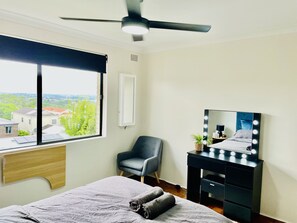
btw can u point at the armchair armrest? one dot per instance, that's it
(124, 155)
(150, 165)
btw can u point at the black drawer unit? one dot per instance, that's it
(239, 176)
(214, 185)
(217, 166)
(240, 190)
(237, 212)
(239, 195)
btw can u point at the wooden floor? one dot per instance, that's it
(181, 192)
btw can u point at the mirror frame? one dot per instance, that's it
(255, 137)
(127, 97)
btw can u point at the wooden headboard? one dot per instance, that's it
(49, 163)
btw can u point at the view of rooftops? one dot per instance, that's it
(68, 109)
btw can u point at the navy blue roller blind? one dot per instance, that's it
(33, 52)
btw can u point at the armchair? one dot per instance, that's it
(144, 158)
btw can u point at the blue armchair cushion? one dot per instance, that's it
(144, 158)
(133, 163)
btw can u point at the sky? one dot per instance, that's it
(16, 77)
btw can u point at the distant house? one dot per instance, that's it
(27, 119)
(8, 128)
(57, 111)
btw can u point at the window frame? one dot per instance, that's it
(15, 49)
(39, 112)
(8, 129)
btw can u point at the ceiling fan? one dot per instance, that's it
(137, 25)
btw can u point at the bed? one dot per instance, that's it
(241, 142)
(106, 200)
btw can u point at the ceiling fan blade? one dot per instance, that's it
(179, 26)
(133, 7)
(89, 20)
(137, 38)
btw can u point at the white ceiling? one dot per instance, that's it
(230, 19)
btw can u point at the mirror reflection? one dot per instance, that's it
(231, 130)
(127, 88)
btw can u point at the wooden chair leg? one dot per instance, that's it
(121, 173)
(142, 179)
(156, 175)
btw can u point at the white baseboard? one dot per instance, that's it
(266, 215)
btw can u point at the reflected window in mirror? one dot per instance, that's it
(232, 133)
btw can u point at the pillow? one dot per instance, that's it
(246, 124)
(242, 133)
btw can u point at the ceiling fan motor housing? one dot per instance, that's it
(135, 25)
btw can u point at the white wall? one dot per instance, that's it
(89, 160)
(226, 118)
(258, 75)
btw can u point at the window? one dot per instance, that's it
(8, 130)
(59, 92)
(17, 99)
(75, 105)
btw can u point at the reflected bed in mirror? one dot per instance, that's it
(232, 133)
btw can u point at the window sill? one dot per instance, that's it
(47, 145)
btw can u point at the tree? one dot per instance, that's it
(6, 110)
(82, 120)
(12, 102)
(23, 133)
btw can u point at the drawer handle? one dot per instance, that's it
(211, 184)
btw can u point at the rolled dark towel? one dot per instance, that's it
(158, 206)
(136, 202)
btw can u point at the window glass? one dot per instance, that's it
(17, 104)
(8, 129)
(70, 103)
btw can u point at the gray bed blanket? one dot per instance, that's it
(105, 201)
(16, 214)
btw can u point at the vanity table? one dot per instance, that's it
(240, 188)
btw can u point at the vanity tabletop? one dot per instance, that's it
(229, 159)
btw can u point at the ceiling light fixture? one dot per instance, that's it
(135, 26)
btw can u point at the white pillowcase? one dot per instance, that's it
(246, 134)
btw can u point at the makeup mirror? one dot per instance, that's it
(232, 133)
(127, 96)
